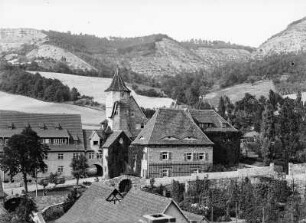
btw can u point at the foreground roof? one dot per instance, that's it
(171, 126)
(46, 125)
(92, 206)
(117, 84)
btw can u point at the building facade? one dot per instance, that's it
(171, 144)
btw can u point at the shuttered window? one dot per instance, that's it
(165, 156)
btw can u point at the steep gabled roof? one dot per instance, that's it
(92, 207)
(171, 126)
(117, 84)
(211, 116)
(70, 124)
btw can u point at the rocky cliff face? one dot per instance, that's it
(12, 39)
(170, 58)
(150, 56)
(292, 39)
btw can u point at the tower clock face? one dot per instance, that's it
(121, 141)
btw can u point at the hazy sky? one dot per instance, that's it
(248, 22)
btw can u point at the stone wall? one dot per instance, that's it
(220, 176)
(296, 169)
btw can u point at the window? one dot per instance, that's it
(198, 156)
(76, 155)
(142, 125)
(46, 141)
(188, 156)
(60, 156)
(99, 155)
(164, 173)
(60, 169)
(165, 156)
(95, 143)
(46, 156)
(91, 155)
(46, 169)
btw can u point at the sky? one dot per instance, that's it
(246, 22)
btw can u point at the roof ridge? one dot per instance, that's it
(154, 116)
(191, 119)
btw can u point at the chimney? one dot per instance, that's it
(159, 218)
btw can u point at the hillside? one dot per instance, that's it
(154, 55)
(237, 92)
(90, 117)
(95, 86)
(292, 39)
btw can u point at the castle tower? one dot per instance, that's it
(117, 104)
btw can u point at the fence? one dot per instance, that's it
(267, 171)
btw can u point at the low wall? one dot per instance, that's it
(296, 169)
(239, 174)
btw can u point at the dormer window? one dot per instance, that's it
(42, 126)
(190, 138)
(11, 126)
(170, 138)
(206, 125)
(58, 126)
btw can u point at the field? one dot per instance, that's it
(95, 86)
(90, 117)
(237, 92)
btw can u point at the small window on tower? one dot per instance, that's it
(122, 94)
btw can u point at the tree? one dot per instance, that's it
(70, 200)
(221, 107)
(75, 94)
(289, 131)
(25, 209)
(79, 165)
(24, 154)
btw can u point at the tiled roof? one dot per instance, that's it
(93, 198)
(171, 126)
(47, 133)
(92, 207)
(112, 138)
(211, 116)
(70, 124)
(117, 84)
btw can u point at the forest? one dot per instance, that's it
(265, 200)
(17, 81)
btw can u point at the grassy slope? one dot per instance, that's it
(95, 86)
(237, 92)
(20, 103)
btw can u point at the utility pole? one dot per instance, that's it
(36, 181)
(263, 214)
(236, 209)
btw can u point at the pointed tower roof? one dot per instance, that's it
(117, 83)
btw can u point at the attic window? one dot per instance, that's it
(42, 126)
(170, 138)
(141, 138)
(206, 125)
(11, 126)
(58, 126)
(190, 138)
(142, 125)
